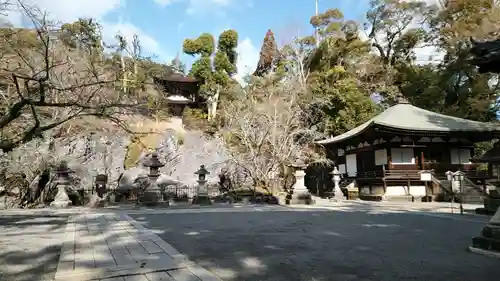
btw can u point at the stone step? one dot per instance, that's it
(473, 199)
(485, 243)
(400, 198)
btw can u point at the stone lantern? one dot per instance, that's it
(300, 193)
(338, 196)
(460, 177)
(61, 200)
(455, 179)
(151, 194)
(101, 180)
(202, 194)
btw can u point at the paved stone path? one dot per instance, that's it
(346, 242)
(115, 247)
(30, 246)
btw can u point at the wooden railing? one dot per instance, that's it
(370, 175)
(402, 174)
(470, 170)
(412, 172)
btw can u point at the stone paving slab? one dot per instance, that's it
(116, 247)
(30, 246)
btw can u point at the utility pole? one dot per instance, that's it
(317, 30)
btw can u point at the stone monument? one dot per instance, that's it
(61, 200)
(151, 194)
(338, 195)
(201, 197)
(487, 59)
(300, 193)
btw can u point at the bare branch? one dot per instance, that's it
(53, 83)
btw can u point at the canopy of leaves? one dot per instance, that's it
(82, 34)
(214, 68)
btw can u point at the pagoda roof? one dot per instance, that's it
(178, 99)
(406, 117)
(176, 77)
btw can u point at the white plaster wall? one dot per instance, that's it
(399, 190)
(417, 190)
(396, 190)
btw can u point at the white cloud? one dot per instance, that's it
(67, 11)
(126, 29)
(208, 7)
(71, 10)
(248, 57)
(180, 26)
(216, 7)
(164, 3)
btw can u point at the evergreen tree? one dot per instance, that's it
(269, 55)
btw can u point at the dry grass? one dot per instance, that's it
(149, 135)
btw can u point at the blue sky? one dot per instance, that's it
(162, 25)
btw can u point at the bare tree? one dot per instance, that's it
(265, 130)
(49, 84)
(297, 54)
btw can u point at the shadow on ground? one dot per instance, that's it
(357, 243)
(30, 246)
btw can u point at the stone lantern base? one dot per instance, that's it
(62, 199)
(150, 198)
(300, 198)
(201, 200)
(202, 197)
(489, 241)
(300, 194)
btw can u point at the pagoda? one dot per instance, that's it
(180, 91)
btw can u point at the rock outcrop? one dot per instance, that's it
(100, 153)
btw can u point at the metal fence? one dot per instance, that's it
(175, 193)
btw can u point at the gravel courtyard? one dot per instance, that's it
(30, 246)
(319, 245)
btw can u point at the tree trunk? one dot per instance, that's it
(124, 74)
(213, 101)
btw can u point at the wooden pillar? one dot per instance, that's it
(383, 179)
(422, 160)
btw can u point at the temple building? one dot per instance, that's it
(386, 155)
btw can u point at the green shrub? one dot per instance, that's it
(180, 138)
(195, 119)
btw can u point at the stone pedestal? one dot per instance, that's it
(201, 197)
(150, 197)
(300, 194)
(62, 199)
(489, 241)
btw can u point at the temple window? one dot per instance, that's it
(495, 170)
(402, 155)
(380, 157)
(460, 156)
